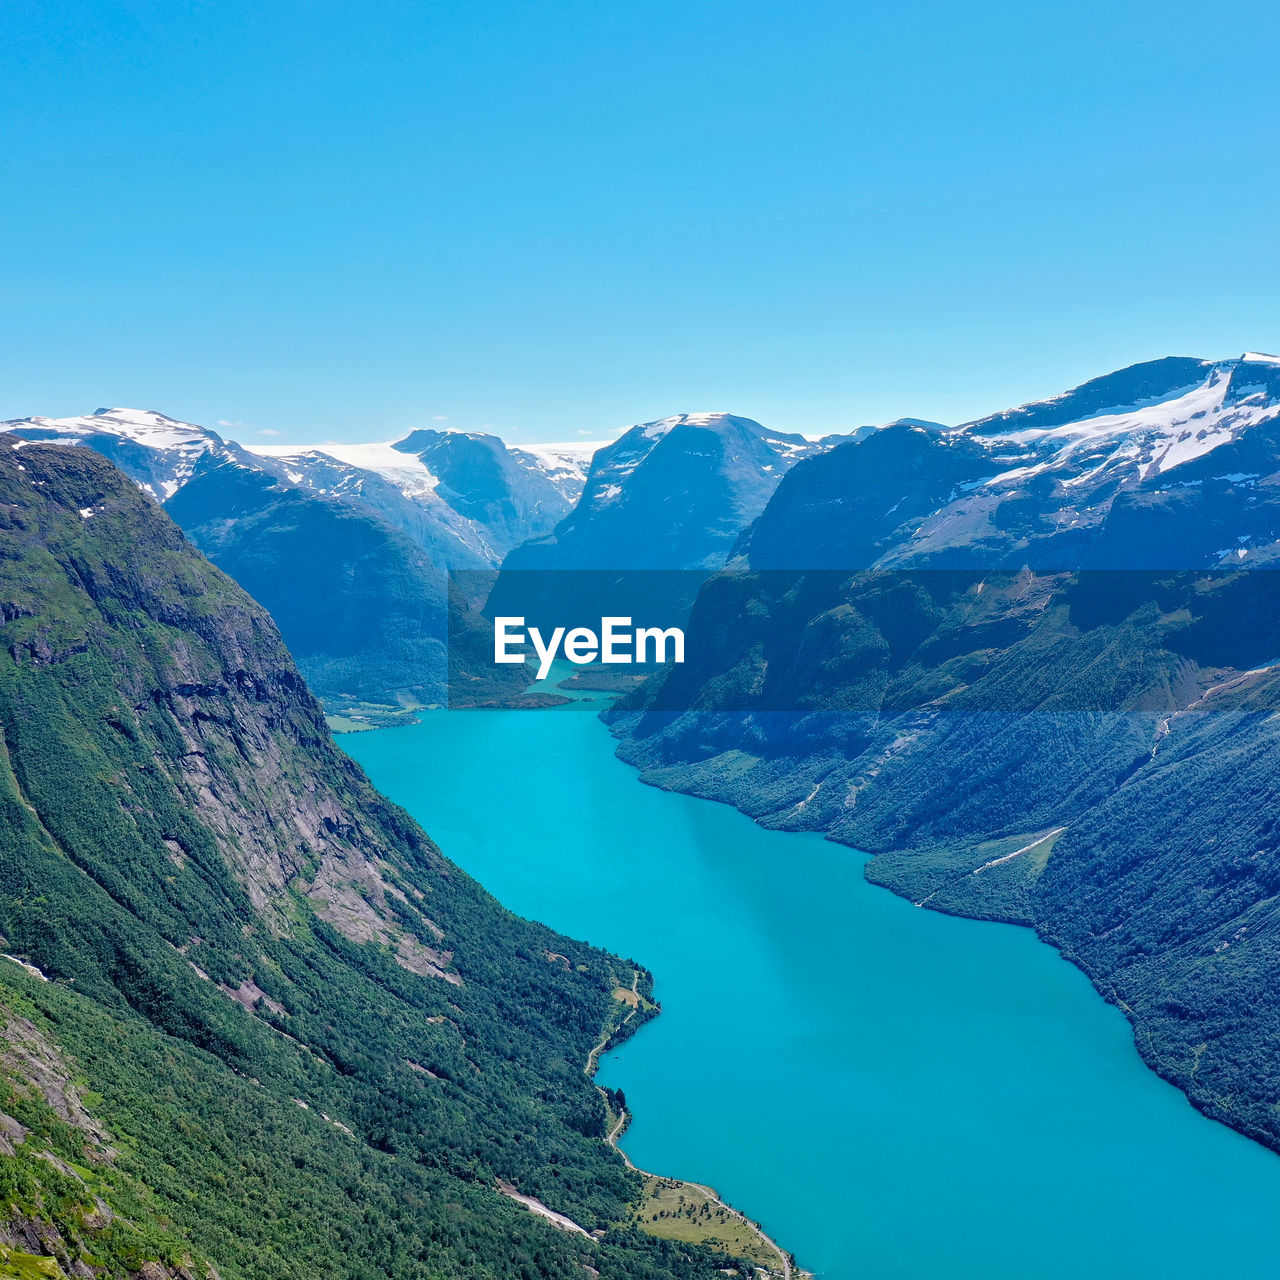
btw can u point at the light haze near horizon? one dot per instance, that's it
(548, 220)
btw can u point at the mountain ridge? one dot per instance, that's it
(328, 1043)
(1032, 672)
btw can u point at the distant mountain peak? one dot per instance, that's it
(718, 421)
(673, 493)
(157, 452)
(466, 497)
(717, 418)
(922, 424)
(1038, 483)
(115, 420)
(126, 414)
(1130, 388)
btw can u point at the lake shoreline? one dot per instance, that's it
(1144, 1048)
(976, 911)
(616, 1032)
(860, 1072)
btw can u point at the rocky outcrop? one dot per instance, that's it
(238, 732)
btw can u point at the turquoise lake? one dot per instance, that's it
(889, 1091)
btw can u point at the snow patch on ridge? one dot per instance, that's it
(176, 446)
(1152, 439)
(572, 453)
(406, 471)
(155, 430)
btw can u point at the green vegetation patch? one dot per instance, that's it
(684, 1211)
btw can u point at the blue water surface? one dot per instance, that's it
(891, 1092)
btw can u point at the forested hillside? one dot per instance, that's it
(1030, 663)
(257, 1022)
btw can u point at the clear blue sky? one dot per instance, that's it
(341, 220)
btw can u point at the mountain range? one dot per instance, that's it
(670, 494)
(1030, 663)
(660, 511)
(346, 545)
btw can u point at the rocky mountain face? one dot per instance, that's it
(513, 493)
(660, 511)
(467, 498)
(1029, 662)
(668, 495)
(361, 603)
(252, 1018)
(348, 546)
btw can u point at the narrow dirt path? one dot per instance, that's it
(593, 1058)
(1009, 857)
(534, 1205)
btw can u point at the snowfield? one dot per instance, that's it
(1145, 440)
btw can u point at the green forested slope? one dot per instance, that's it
(307, 1045)
(1095, 754)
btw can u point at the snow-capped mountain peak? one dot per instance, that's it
(1137, 441)
(720, 422)
(159, 452)
(671, 493)
(1048, 474)
(156, 430)
(467, 495)
(758, 448)
(565, 464)
(487, 494)
(314, 466)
